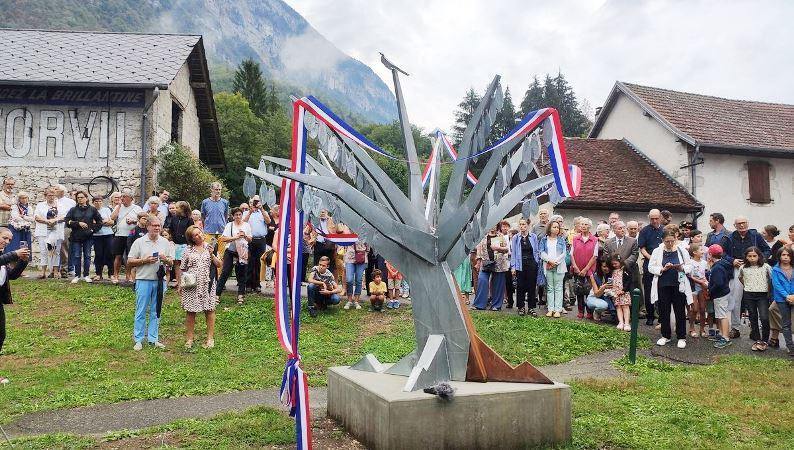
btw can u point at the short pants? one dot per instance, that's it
(722, 308)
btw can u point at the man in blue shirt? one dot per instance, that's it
(719, 234)
(650, 237)
(214, 211)
(258, 218)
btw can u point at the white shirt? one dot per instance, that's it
(122, 227)
(105, 212)
(67, 204)
(231, 229)
(41, 228)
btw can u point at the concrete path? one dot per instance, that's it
(133, 415)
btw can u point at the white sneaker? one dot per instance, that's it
(4, 380)
(157, 344)
(88, 280)
(75, 280)
(348, 305)
(138, 347)
(682, 343)
(357, 305)
(662, 341)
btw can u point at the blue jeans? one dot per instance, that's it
(75, 251)
(146, 298)
(554, 290)
(18, 236)
(313, 292)
(599, 304)
(496, 281)
(354, 276)
(785, 313)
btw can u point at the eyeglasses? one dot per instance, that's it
(740, 223)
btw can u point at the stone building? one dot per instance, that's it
(735, 156)
(77, 105)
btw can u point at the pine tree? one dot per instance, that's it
(464, 113)
(249, 83)
(272, 99)
(557, 93)
(533, 98)
(505, 119)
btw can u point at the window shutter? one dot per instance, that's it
(758, 176)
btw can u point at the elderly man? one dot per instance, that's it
(633, 229)
(736, 244)
(543, 219)
(650, 238)
(125, 215)
(7, 200)
(150, 255)
(65, 203)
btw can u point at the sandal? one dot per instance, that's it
(704, 334)
(188, 345)
(762, 346)
(774, 343)
(693, 334)
(210, 344)
(755, 346)
(240, 299)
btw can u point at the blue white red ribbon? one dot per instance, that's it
(343, 239)
(294, 386)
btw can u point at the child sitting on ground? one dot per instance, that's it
(393, 280)
(377, 291)
(719, 291)
(700, 285)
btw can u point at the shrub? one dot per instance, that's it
(183, 175)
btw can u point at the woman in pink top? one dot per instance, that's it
(583, 258)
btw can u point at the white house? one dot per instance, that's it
(735, 156)
(76, 105)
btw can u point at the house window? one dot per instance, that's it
(758, 176)
(176, 122)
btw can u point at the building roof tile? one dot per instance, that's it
(615, 175)
(44, 56)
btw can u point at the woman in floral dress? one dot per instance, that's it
(198, 260)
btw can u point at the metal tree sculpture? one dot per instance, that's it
(447, 344)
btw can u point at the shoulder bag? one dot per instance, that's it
(488, 266)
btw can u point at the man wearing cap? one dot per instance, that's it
(735, 245)
(258, 218)
(125, 215)
(650, 238)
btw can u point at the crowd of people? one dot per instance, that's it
(706, 281)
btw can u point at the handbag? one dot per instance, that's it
(489, 266)
(581, 286)
(360, 256)
(188, 280)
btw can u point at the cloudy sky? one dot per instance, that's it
(734, 49)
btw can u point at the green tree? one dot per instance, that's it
(505, 119)
(249, 83)
(464, 113)
(183, 175)
(557, 93)
(389, 138)
(533, 98)
(244, 138)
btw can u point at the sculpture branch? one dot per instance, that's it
(418, 242)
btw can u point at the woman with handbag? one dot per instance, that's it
(237, 234)
(492, 262)
(355, 263)
(197, 284)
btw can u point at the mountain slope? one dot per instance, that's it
(291, 52)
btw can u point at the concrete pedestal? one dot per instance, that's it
(373, 408)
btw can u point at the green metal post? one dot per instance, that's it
(635, 319)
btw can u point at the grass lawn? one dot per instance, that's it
(71, 345)
(662, 407)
